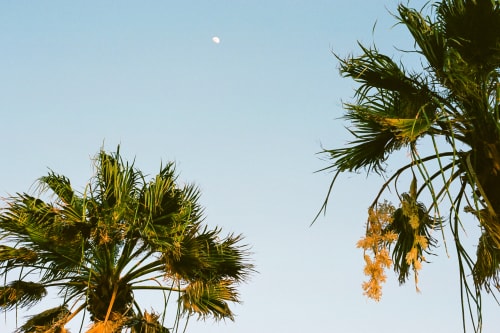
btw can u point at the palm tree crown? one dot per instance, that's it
(449, 107)
(121, 235)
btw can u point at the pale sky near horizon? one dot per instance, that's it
(243, 119)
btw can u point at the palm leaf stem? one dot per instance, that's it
(436, 175)
(128, 254)
(166, 299)
(178, 317)
(186, 325)
(428, 184)
(135, 287)
(464, 259)
(330, 188)
(473, 179)
(421, 167)
(144, 270)
(141, 260)
(152, 278)
(398, 172)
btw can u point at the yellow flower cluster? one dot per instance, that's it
(415, 258)
(376, 242)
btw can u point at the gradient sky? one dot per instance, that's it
(243, 119)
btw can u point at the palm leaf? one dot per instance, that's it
(51, 320)
(209, 298)
(21, 293)
(485, 271)
(428, 36)
(20, 255)
(205, 257)
(147, 323)
(60, 185)
(473, 28)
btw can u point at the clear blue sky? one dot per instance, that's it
(243, 119)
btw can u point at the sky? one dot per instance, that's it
(243, 119)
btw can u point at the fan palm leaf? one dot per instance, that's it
(209, 298)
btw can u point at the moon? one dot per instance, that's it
(216, 40)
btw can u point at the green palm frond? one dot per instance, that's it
(377, 136)
(428, 36)
(206, 257)
(117, 181)
(59, 184)
(372, 145)
(473, 29)
(392, 111)
(388, 88)
(230, 258)
(161, 198)
(38, 224)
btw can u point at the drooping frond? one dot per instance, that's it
(21, 255)
(486, 272)
(147, 323)
(413, 227)
(22, 294)
(51, 320)
(209, 298)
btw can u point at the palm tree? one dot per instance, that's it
(448, 108)
(99, 248)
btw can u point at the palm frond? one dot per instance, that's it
(21, 255)
(428, 36)
(117, 181)
(205, 257)
(207, 298)
(393, 110)
(161, 199)
(147, 323)
(473, 29)
(51, 320)
(486, 269)
(370, 149)
(413, 225)
(21, 293)
(59, 184)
